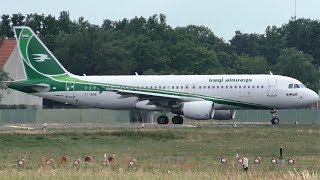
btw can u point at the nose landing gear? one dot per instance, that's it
(275, 119)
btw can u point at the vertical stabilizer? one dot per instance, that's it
(37, 59)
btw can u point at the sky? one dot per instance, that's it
(223, 17)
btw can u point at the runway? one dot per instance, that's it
(195, 124)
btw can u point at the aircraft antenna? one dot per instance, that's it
(295, 9)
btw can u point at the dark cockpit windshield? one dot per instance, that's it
(296, 86)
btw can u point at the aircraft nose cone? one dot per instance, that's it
(312, 97)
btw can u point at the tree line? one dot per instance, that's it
(151, 46)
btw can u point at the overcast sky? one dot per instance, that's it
(224, 17)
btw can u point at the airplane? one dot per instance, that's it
(197, 97)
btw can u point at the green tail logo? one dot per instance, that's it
(37, 58)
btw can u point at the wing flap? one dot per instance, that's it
(155, 95)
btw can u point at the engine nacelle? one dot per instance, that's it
(224, 114)
(198, 110)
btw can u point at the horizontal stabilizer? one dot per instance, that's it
(37, 87)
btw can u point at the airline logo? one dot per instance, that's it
(40, 57)
(24, 36)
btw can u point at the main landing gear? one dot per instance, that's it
(177, 120)
(275, 119)
(165, 120)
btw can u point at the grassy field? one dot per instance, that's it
(175, 153)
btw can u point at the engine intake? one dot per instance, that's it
(198, 110)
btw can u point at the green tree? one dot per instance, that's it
(304, 34)
(273, 42)
(296, 64)
(64, 22)
(34, 21)
(252, 65)
(247, 44)
(17, 19)
(5, 28)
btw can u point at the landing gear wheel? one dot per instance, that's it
(163, 120)
(275, 120)
(177, 120)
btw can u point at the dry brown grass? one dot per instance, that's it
(123, 173)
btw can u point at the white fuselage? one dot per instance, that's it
(264, 90)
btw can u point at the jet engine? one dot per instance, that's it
(224, 114)
(198, 110)
(203, 110)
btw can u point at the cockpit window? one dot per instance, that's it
(302, 86)
(290, 86)
(296, 86)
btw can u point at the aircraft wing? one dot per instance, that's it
(157, 98)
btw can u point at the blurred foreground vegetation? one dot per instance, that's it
(176, 153)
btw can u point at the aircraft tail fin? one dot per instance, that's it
(37, 59)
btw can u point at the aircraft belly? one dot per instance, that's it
(94, 99)
(106, 100)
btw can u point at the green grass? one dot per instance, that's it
(190, 153)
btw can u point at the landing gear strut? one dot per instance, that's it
(177, 120)
(275, 119)
(163, 120)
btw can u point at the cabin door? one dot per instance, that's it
(69, 94)
(272, 87)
